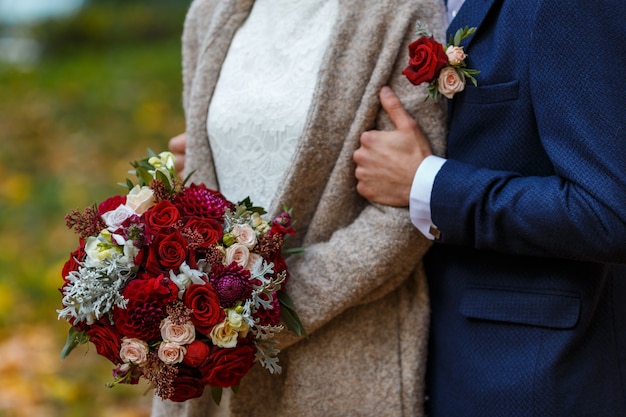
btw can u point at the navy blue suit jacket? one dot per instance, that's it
(527, 292)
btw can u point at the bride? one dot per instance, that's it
(276, 96)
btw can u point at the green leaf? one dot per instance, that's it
(144, 176)
(74, 338)
(289, 315)
(458, 36)
(188, 176)
(293, 251)
(160, 176)
(216, 394)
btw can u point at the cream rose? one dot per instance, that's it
(134, 351)
(182, 334)
(245, 235)
(237, 253)
(140, 199)
(456, 55)
(171, 353)
(237, 323)
(224, 336)
(450, 82)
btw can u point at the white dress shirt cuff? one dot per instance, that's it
(421, 189)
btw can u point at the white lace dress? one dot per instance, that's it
(262, 98)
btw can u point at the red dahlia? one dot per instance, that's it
(199, 201)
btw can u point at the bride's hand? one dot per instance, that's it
(387, 160)
(177, 145)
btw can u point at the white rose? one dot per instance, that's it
(140, 199)
(450, 82)
(455, 54)
(115, 218)
(182, 334)
(171, 353)
(237, 253)
(134, 351)
(224, 336)
(245, 235)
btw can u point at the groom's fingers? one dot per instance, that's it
(395, 109)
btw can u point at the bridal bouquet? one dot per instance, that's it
(177, 285)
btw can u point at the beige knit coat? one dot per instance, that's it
(359, 286)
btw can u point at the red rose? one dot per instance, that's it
(226, 367)
(146, 307)
(187, 385)
(426, 59)
(111, 203)
(106, 340)
(163, 214)
(168, 251)
(210, 230)
(197, 354)
(203, 300)
(72, 263)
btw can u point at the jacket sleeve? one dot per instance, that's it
(579, 106)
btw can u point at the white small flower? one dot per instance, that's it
(186, 277)
(163, 163)
(100, 249)
(236, 322)
(134, 351)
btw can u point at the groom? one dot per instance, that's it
(528, 213)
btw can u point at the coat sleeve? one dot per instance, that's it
(579, 108)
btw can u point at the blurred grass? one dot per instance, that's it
(106, 88)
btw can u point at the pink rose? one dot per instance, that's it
(134, 351)
(171, 353)
(183, 334)
(238, 254)
(455, 54)
(450, 82)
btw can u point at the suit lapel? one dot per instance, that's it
(471, 14)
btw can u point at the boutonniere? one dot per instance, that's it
(442, 67)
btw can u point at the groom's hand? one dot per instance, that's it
(387, 160)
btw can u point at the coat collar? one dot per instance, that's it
(472, 14)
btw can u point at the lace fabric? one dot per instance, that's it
(264, 92)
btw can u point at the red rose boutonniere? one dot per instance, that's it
(443, 68)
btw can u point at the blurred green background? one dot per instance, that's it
(81, 95)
